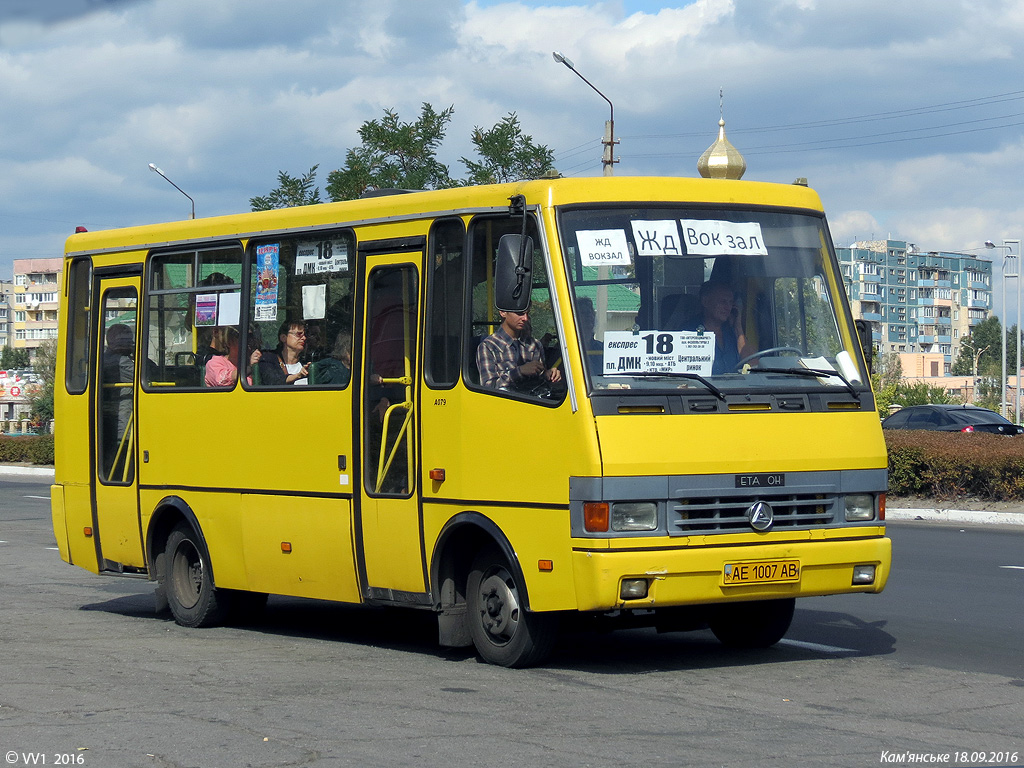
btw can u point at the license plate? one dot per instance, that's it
(763, 572)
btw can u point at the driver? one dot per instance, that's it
(720, 315)
(510, 358)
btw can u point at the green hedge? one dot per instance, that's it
(29, 449)
(948, 465)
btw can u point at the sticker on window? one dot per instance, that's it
(656, 238)
(627, 353)
(705, 237)
(603, 247)
(206, 309)
(267, 260)
(313, 257)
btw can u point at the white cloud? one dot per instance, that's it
(223, 95)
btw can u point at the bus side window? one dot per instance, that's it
(446, 287)
(484, 318)
(194, 301)
(79, 311)
(300, 311)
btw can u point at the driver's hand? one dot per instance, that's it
(531, 368)
(553, 375)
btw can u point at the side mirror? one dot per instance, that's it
(512, 279)
(866, 343)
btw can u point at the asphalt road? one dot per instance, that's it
(931, 670)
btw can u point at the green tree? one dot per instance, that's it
(506, 154)
(291, 191)
(394, 155)
(921, 394)
(45, 365)
(14, 358)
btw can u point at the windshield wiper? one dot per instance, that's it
(815, 373)
(690, 376)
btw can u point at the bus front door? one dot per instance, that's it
(389, 520)
(116, 524)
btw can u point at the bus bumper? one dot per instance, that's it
(695, 575)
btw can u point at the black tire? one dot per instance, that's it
(193, 599)
(504, 633)
(752, 625)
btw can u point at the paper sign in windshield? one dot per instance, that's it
(603, 247)
(722, 238)
(669, 352)
(313, 257)
(656, 238)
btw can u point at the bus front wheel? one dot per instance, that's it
(758, 624)
(191, 595)
(503, 631)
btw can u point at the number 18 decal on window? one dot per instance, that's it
(627, 353)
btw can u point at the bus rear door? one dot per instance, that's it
(116, 524)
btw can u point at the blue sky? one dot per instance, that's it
(908, 117)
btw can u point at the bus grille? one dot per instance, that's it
(728, 514)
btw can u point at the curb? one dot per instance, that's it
(14, 469)
(975, 517)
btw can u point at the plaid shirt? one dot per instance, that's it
(499, 356)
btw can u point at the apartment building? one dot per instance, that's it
(35, 299)
(6, 314)
(919, 304)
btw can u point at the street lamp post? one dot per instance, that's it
(1016, 373)
(608, 157)
(156, 170)
(1008, 256)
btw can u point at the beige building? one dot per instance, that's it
(36, 295)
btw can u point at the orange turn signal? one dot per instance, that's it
(881, 507)
(286, 547)
(87, 531)
(437, 474)
(545, 565)
(595, 516)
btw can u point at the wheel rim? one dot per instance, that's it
(499, 605)
(187, 574)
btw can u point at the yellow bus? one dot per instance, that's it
(643, 399)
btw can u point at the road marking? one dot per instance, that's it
(45, 498)
(1013, 567)
(816, 647)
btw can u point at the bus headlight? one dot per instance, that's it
(863, 574)
(860, 506)
(634, 516)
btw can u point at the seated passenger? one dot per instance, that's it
(221, 368)
(335, 369)
(282, 365)
(510, 358)
(720, 315)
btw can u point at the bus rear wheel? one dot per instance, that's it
(191, 595)
(758, 624)
(503, 631)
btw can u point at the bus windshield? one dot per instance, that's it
(714, 299)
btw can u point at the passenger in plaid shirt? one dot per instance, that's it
(512, 359)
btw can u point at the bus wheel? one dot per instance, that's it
(193, 600)
(503, 632)
(758, 624)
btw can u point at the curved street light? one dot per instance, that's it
(154, 169)
(608, 158)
